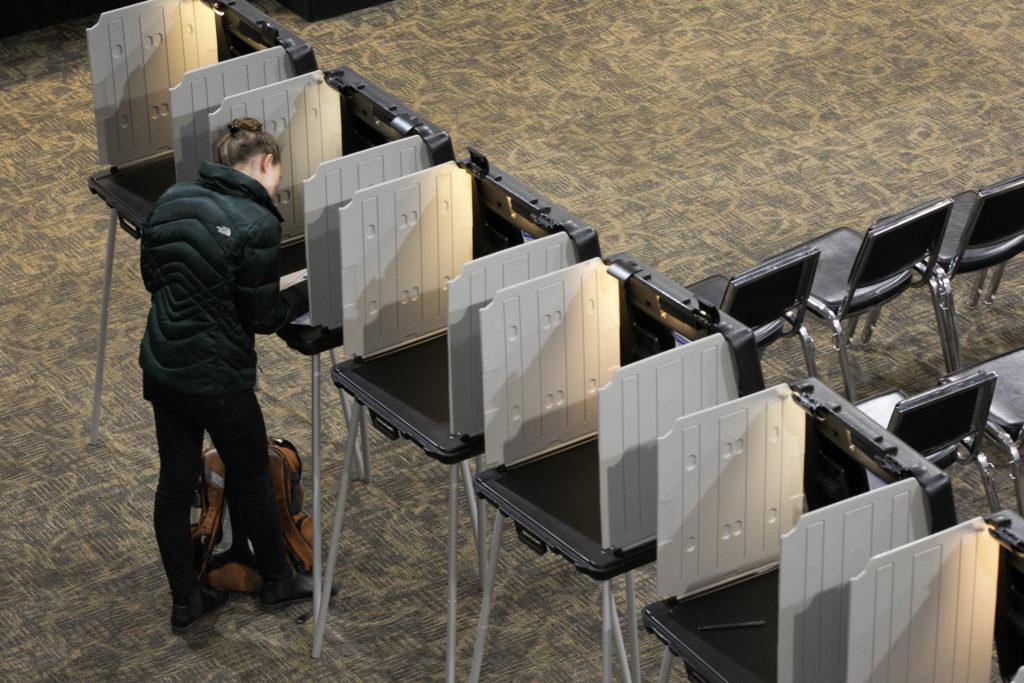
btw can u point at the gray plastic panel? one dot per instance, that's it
(926, 610)
(640, 403)
(136, 55)
(333, 184)
(203, 90)
(471, 290)
(401, 243)
(730, 483)
(547, 345)
(304, 114)
(825, 549)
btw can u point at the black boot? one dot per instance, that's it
(184, 613)
(288, 591)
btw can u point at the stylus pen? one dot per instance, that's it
(735, 624)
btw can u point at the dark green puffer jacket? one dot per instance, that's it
(209, 259)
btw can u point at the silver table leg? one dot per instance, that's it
(314, 420)
(474, 516)
(620, 645)
(365, 442)
(666, 665)
(481, 530)
(490, 571)
(631, 629)
(332, 552)
(606, 632)
(101, 346)
(346, 411)
(453, 570)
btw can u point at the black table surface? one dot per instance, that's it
(556, 500)
(729, 654)
(408, 391)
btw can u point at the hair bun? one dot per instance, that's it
(248, 124)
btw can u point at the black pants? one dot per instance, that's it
(235, 424)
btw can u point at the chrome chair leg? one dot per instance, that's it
(807, 344)
(851, 328)
(987, 471)
(997, 277)
(839, 342)
(869, 324)
(945, 318)
(1015, 468)
(979, 284)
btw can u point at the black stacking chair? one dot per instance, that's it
(857, 273)
(770, 299)
(1006, 416)
(986, 229)
(937, 422)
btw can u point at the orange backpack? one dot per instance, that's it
(238, 574)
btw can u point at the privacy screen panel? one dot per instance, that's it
(640, 403)
(547, 345)
(730, 483)
(471, 290)
(333, 184)
(136, 55)
(402, 242)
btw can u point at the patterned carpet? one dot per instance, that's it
(702, 137)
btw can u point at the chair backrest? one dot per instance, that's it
(640, 403)
(402, 241)
(925, 610)
(894, 245)
(547, 345)
(998, 219)
(136, 55)
(770, 290)
(730, 483)
(304, 114)
(333, 184)
(202, 91)
(819, 556)
(941, 418)
(474, 286)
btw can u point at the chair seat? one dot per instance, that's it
(555, 502)
(838, 250)
(711, 290)
(976, 258)
(731, 654)
(879, 408)
(1007, 409)
(406, 393)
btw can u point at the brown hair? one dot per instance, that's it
(245, 138)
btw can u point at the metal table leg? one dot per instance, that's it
(346, 411)
(314, 420)
(453, 570)
(101, 350)
(634, 640)
(666, 665)
(488, 594)
(332, 552)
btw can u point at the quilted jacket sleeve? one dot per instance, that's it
(262, 306)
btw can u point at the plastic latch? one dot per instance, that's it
(811, 404)
(479, 160)
(1001, 528)
(384, 427)
(538, 546)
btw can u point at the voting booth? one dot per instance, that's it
(417, 257)
(810, 574)
(583, 368)
(169, 75)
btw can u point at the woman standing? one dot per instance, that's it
(210, 262)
